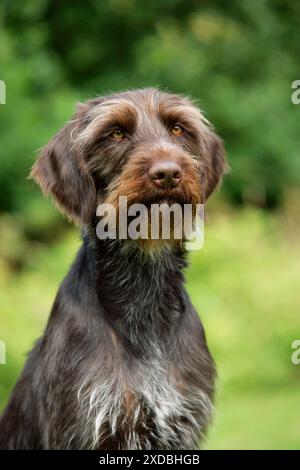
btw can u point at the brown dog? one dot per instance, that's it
(123, 363)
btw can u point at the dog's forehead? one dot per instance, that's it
(140, 105)
(145, 111)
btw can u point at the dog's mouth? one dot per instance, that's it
(166, 198)
(164, 202)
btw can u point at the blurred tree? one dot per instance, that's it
(237, 58)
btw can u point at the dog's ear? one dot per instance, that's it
(61, 172)
(216, 165)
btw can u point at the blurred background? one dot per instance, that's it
(238, 59)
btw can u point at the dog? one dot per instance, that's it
(123, 362)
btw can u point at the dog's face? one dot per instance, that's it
(147, 145)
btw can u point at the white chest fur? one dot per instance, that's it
(145, 409)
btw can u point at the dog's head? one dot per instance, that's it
(147, 145)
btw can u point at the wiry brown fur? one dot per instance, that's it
(123, 363)
(80, 163)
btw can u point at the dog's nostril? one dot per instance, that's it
(165, 174)
(159, 176)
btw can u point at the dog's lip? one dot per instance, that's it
(170, 200)
(165, 199)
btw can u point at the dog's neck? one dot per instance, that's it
(142, 295)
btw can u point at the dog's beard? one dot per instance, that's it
(151, 226)
(133, 185)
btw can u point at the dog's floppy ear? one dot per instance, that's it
(61, 172)
(215, 161)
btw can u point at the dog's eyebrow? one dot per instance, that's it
(185, 113)
(106, 115)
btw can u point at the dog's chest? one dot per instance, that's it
(148, 413)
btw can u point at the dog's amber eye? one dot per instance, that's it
(118, 134)
(177, 130)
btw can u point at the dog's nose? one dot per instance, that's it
(165, 174)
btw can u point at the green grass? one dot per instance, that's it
(244, 283)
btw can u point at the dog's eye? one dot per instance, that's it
(177, 130)
(118, 134)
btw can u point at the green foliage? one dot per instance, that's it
(247, 296)
(238, 58)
